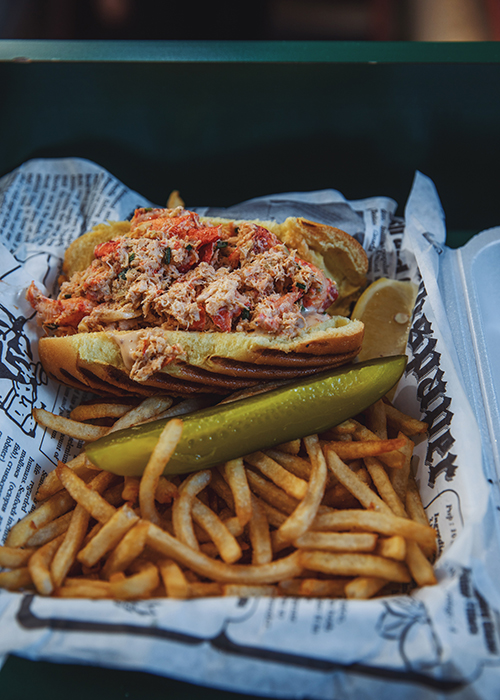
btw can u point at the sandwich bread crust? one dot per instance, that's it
(267, 306)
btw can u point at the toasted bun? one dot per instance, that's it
(212, 362)
(217, 362)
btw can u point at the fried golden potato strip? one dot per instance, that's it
(336, 515)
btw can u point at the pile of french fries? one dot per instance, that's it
(332, 515)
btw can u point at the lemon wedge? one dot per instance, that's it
(386, 309)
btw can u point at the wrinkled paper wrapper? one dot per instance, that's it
(441, 639)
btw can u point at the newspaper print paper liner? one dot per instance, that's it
(443, 638)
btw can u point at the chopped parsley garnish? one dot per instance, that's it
(67, 296)
(52, 326)
(189, 246)
(131, 257)
(221, 244)
(245, 314)
(148, 209)
(123, 274)
(300, 285)
(167, 256)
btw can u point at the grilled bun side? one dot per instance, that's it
(335, 252)
(337, 336)
(220, 362)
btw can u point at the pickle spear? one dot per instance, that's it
(217, 434)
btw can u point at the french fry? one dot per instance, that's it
(399, 477)
(50, 531)
(114, 495)
(347, 427)
(376, 419)
(297, 465)
(182, 408)
(176, 584)
(235, 475)
(358, 488)
(108, 536)
(151, 407)
(413, 501)
(384, 523)
(160, 456)
(165, 544)
(226, 543)
(364, 587)
(66, 553)
(83, 494)
(292, 485)
(260, 538)
(52, 483)
(130, 491)
(233, 525)
(16, 579)
(181, 510)
(270, 493)
(416, 511)
(204, 589)
(338, 542)
(401, 422)
(75, 581)
(166, 491)
(354, 565)
(392, 459)
(384, 486)
(102, 481)
(242, 591)
(138, 585)
(57, 505)
(39, 566)
(92, 533)
(291, 448)
(127, 550)
(392, 548)
(370, 448)
(182, 537)
(419, 566)
(302, 517)
(14, 557)
(75, 429)
(210, 549)
(275, 517)
(222, 489)
(339, 497)
(314, 587)
(94, 411)
(86, 588)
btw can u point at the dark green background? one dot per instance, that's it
(39, 680)
(227, 121)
